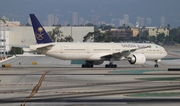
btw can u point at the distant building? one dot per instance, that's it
(163, 30)
(64, 23)
(13, 23)
(74, 18)
(135, 32)
(115, 22)
(131, 25)
(81, 21)
(125, 32)
(118, 32)
(4, 34)
(95, 19)
(121, 22)
(56, 20)
(29, 21)
(137, 25)
(148, 21)
(153, 31)
(4, 43)
(86, 22)
(140, 20)
(126, 19)
(162, 22)
(9, 23)
(52, 20)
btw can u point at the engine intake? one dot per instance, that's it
(138, 59)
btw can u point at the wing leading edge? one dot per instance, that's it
(123, 53)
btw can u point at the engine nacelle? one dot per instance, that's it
(138, 59)
(97, 62)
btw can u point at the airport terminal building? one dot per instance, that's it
(24, 35)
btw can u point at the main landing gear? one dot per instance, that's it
(88, 64)
(156, 65)
(110, 65)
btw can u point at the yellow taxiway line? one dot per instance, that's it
(35, 89)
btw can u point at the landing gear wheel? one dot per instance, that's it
(115, 66)
(156, 65)
(110, 65)
(83, 66)
(91, 65)
(106, 66)
(87, 65)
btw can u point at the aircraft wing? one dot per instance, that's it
(123, 53)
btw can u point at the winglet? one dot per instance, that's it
(39, 32)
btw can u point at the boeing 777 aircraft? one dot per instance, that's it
(95, 53)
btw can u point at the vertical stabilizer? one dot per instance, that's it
(39, 32)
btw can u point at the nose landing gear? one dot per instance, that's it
(156, 65)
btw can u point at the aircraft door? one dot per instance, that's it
(61, 49)
(87, 49)
(113, 49)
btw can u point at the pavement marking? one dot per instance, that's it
(140, 71)
(17, 84)
(143, 66)
(176, 79)
(154, 94)
(35, 89)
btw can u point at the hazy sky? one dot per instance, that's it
(106, 9)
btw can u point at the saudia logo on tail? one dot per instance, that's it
(39, 34)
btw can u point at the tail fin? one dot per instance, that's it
(39, 32)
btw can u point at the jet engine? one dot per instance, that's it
(138, 59)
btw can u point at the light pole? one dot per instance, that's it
(3, 40)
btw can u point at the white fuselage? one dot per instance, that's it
(94, 51)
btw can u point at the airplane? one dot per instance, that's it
(95, 53)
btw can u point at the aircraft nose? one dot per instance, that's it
(166, 52)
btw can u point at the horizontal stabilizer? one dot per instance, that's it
(39, 46)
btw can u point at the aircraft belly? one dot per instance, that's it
(70, 56)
